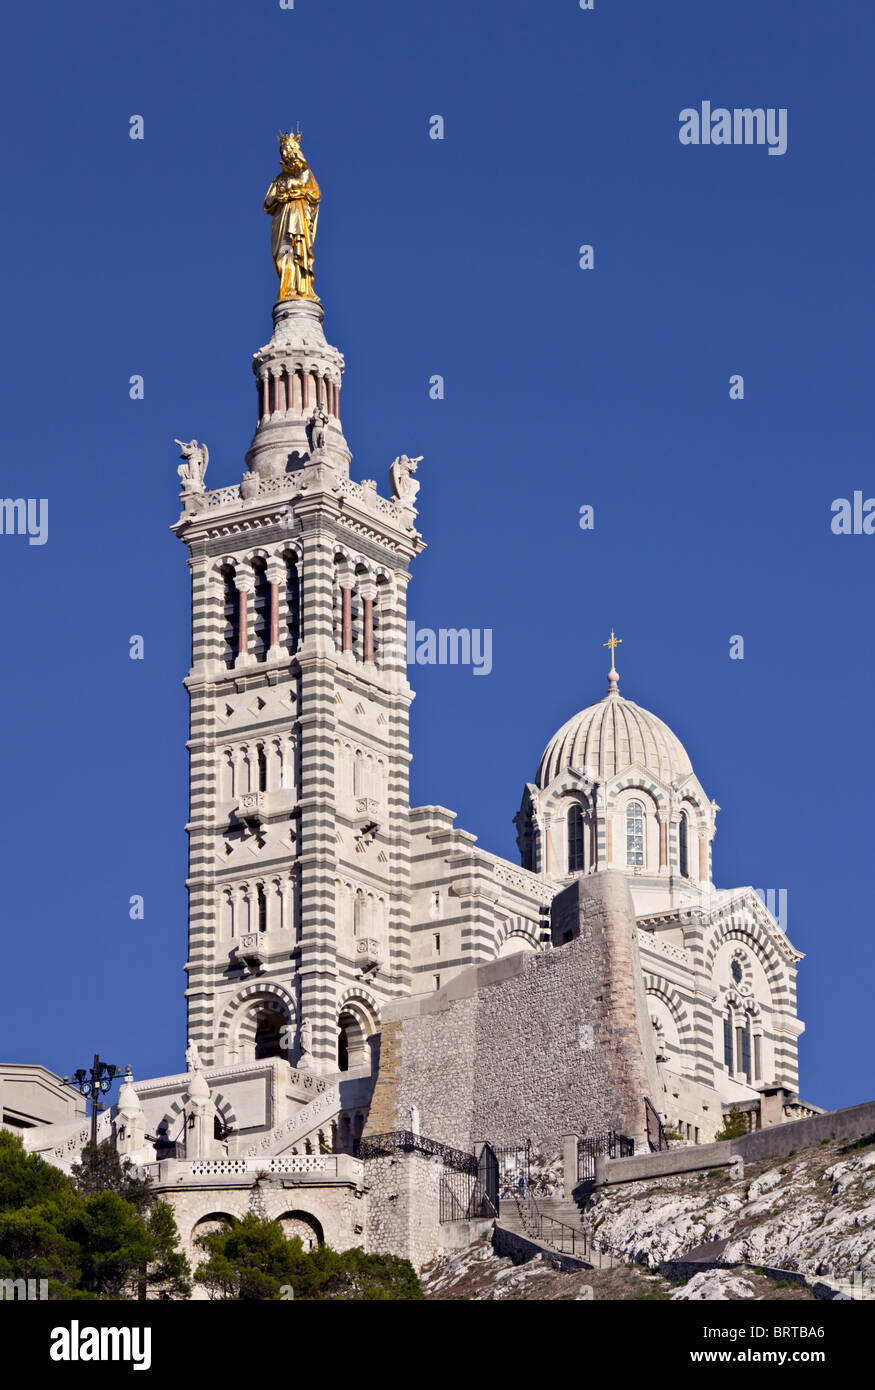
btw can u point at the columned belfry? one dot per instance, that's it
(299, 746)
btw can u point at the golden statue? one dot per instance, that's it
(293, 203)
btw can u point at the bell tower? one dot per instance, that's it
(299, 860)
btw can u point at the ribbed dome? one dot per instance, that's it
(609, 737)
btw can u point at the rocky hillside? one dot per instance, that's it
(811, 1215)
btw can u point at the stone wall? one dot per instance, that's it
(533, 1045)
(778, 1141)
(337, 1212)
(404, 1206)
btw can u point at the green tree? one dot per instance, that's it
(253, 1260)
(250, 1260)
(100, 1234)
(734, 1125)
(115, 1245)
(102, 1170)
(26, 1179)
(170, 1274)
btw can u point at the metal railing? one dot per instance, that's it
(468, 1187)
(560, 1235)
(464, 1198)
(655, 1132)
(404, 1141)
(610, 1145)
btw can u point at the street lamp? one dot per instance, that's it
(92, 1085)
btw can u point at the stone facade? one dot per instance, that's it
(532, 1045)
(306, 1204)
(342, 940)
(403, 1197)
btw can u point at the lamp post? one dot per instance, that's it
(94, 1084)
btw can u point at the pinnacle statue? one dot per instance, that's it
(293, 202)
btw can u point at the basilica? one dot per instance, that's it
(358, 967)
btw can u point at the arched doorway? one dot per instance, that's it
(352, 1040)
(269, 1024)
(303, 1225)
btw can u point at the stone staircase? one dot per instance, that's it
(515, 1218)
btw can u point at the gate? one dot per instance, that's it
(470, 1192)
(611, 1145)
(513, 1163)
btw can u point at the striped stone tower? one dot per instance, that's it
(299, 860)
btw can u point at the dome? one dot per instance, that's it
(610, 736)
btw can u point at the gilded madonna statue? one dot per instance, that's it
(293, 202)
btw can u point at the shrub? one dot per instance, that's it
(734, 1125)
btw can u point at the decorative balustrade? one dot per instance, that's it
(284, 1163)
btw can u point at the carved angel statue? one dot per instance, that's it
(401, 481)
(293, 202)
(306, 1036)
(191, 472)
(317, 425)
(192, 1057)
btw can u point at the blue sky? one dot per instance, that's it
(563, 387)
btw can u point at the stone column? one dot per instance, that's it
(245, 586)
(275, 575)
(663, 844)
(346, 600)
(368, 594)
(703, 858)
(569, 1163)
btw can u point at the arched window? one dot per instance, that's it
(269, 1026)
(728, 1060)
(261, 903)
(683, 852)
(262, 768)
(635, 834)
(742, 1035)
(231, 614)
(575, 839)
(261, 611)
(293, 605)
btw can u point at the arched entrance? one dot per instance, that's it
(303, 1225)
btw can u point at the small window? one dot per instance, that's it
(262, 907)
(231, 615)
(736, 971)
(437, 981)
(262, 768)
(635, 835)
(437, 943)
(684, 860)
(260, 611)
(293, 606)
(745, 1052)
(575, 840)
(727, 1042)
